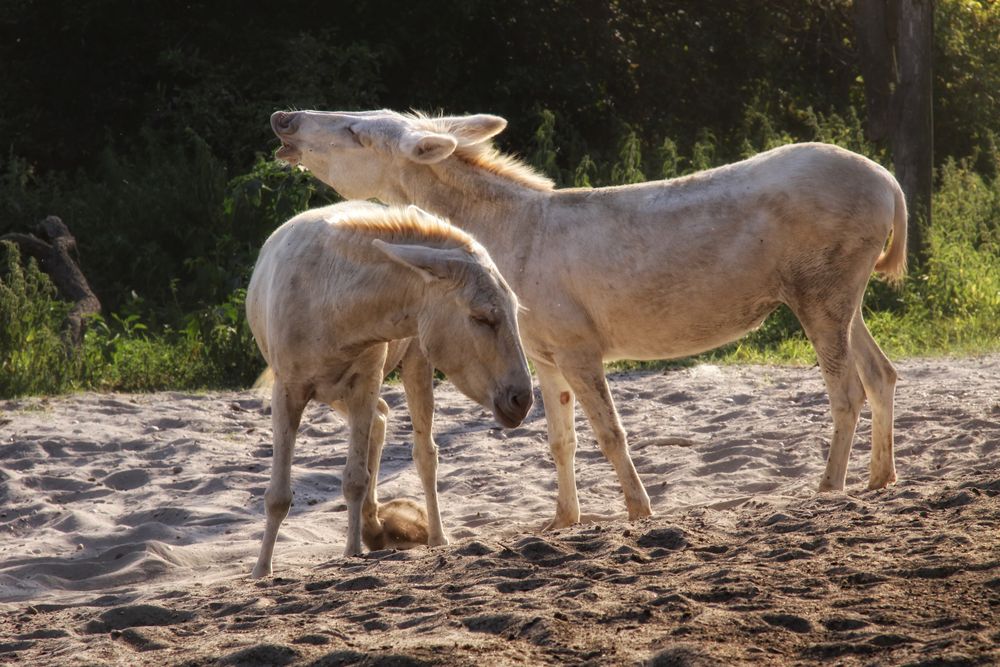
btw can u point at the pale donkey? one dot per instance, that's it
(654, 270)
(331, 288)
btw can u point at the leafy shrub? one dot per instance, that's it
(962, 276)
(33, 356)
(121, 353)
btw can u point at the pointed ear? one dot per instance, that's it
(430, 263)
(476, 128)
(427, 147)
(413, 208)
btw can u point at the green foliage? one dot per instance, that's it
(155, 153)
(544, 156)
(967, 80)
(215, 349)
(628, 168)
(703, 152)
(669, 159)
(585, 173)
(33, 358)
(962, 277)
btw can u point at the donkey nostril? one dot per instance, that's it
(282, 121)
(520, 400)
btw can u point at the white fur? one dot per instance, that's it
(655, 270)
(333, 293)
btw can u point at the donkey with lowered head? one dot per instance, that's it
(332, 288)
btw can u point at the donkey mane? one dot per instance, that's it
(396, 224)
(482, 155)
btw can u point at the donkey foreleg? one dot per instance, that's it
(418, 382)
(585, 374)
(558, 401)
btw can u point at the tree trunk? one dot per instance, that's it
(895, 38)
(876, 37)
(913, 138)
(54, 253)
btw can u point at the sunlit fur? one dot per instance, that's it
(395, 224)
(657, 270)
(334, 297)
(483, 154)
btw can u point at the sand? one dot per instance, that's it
(129, 524)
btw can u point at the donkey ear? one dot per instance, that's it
(476, 128)
(413, 208)
(427, 147)
(430, 263)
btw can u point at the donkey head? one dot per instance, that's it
(467, 326)
(360, 154)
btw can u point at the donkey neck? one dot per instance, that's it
(381, 301)
(493, 208)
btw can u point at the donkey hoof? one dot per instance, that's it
(560, 522)
(640, 512)
(881, 482)
(827, 486)
(438, 541)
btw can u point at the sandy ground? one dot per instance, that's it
(128, 524)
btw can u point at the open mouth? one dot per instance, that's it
(288, 153)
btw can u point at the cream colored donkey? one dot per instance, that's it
(654, 270)
(331, 288)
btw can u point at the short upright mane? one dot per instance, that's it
(398, 224)
(483, 154)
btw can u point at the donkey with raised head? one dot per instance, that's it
(331, 289)
(655, 270)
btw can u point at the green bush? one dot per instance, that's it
(33, 355)
(121, 353)
(962, 277)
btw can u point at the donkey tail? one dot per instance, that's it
(892, 262)
(264, 381)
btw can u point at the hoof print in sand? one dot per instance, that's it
(140, 640)
(666, 539)
(138, 615)
(127, 480)
(511, 626)
(788, 622)
(474, 548)
(362, 583)
(682, 655)
(348, 658)
(261, 654)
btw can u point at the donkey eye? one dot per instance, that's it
(485, 320)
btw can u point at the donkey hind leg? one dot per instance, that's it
(558, 401)
(287, 404)
(879, 379)
(832, 340)
(586, 377)
(418, 382)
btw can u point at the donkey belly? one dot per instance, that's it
(666, 335)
